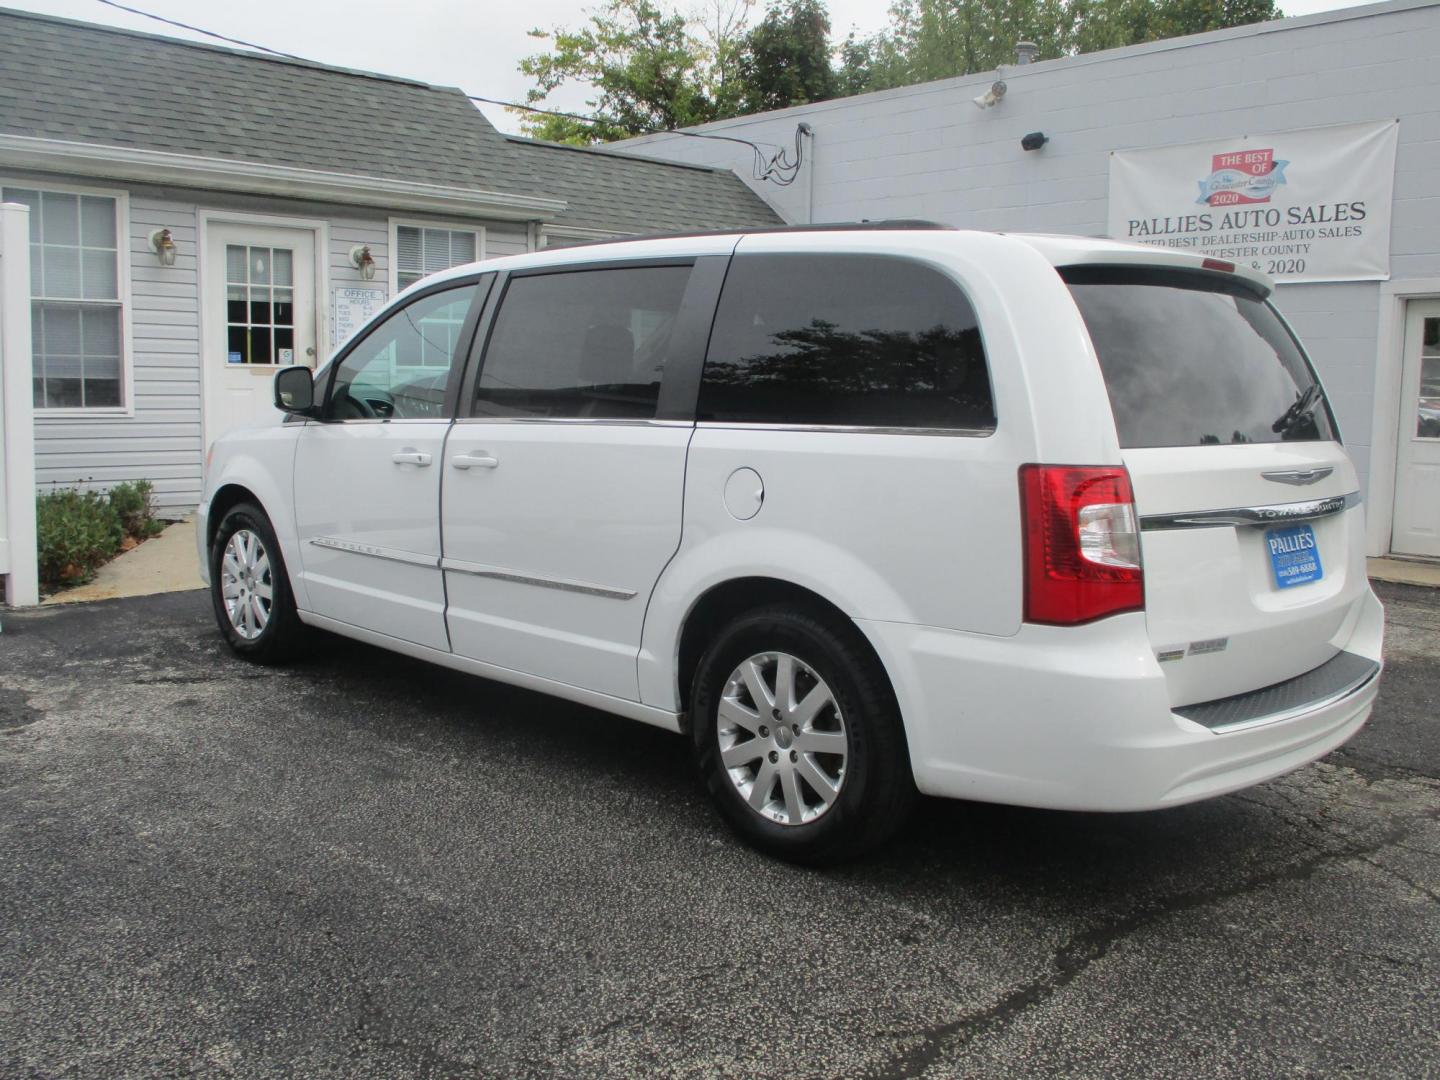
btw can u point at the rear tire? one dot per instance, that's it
(250, 589)
(798, 737)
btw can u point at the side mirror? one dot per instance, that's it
(295, 391)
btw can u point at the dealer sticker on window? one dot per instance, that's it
(1294, 556)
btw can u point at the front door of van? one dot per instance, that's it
(367, 477)
(1417, 477)
(259, 316)
(564, 484)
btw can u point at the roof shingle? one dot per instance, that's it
(80, 82)
(618, 192)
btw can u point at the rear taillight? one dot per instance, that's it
(1082, 543)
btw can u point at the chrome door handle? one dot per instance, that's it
(410, 457)
(475, 461)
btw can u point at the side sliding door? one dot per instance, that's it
(564, 475)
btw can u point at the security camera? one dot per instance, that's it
(1034, 140)
(991, 96)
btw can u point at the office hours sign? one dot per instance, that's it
(350, 309)
(1310, 205)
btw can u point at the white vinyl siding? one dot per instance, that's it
(158, 435)
(77, 318)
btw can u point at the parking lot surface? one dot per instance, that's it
(364, 865)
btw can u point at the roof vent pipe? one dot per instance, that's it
(1025, 52)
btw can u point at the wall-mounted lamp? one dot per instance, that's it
(991, 96)
(163, 244)
(362, 260)
(1034, 140)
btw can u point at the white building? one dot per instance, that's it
(928, 151)
(200, 216)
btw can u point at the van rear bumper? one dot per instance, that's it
(1079, 718)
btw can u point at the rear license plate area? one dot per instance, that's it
(1294, 556)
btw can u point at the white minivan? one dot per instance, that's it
(865, 511)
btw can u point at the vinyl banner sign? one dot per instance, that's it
(1309, 205)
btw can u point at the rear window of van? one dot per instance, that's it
(1194, 359)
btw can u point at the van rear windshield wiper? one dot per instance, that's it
(1304, 405)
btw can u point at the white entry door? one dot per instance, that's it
(259, 316)
(1417, 478)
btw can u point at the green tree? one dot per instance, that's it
(936, 39)
(785, 60)
(648, 69)
(653, 68)
(724, 34)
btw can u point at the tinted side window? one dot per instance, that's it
(846, 340)
(589, 343)
(399, 370)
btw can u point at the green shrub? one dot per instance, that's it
(135, 503)
(78, 530)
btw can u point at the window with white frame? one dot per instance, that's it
(421, 250)
(75, 307)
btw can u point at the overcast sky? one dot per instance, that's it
(473, 44)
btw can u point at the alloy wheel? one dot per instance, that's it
(246, 585)
(782, 738)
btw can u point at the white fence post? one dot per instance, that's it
(18, 566)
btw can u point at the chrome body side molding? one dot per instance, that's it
(375, 551)
(460, 566)
(1277, 514)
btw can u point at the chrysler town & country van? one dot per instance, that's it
(862, 511)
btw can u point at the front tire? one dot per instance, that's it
(798, 738)
(250, 589)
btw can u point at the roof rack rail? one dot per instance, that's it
(879, 225)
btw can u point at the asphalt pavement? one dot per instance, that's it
(366, 866)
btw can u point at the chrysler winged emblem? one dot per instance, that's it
(1298, 476)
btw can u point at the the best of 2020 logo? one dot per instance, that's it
(1242, 176)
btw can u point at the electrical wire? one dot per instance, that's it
(201, 30)
(779, 168)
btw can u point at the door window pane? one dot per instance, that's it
(284, 267)
(1427, 423)
(400, 369)
(849, 340)
(591, 343)
(420, 251)
(255, 311)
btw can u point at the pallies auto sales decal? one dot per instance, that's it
(1310, 205)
